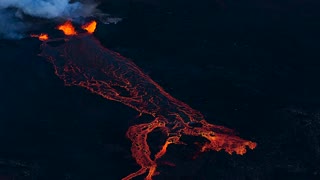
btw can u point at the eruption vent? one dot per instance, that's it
(82, 61)
(15, 14)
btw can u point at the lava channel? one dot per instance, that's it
(82, 61)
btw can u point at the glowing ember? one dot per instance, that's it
(67, 28)
(82, 61)
(41, 37)
(90, 27)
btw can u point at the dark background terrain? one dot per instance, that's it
(249, 65)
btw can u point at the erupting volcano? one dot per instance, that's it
(82, 61)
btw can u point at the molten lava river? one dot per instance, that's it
(82, 61)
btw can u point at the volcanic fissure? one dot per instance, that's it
(82, 61)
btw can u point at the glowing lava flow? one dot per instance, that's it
(83, 61)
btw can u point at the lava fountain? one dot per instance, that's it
(41, 37)
(90, 27)
(82, 61)
(67, 28)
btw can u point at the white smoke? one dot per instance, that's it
(12, 24)
(10, 27)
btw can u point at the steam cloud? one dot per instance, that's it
(12, 12)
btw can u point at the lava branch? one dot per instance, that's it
(82, 61)
(140, 149)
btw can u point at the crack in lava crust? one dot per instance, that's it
(82, 61)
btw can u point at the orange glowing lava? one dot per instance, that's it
(67, 28)
(90, 27)
(41, 37)
(82, 61)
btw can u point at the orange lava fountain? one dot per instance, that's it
(82, 61)
(41, 37)
(67, 28)
(90, 27)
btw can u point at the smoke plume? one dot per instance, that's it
(13, 12)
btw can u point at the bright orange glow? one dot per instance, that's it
(83, 61)
(90, 27)
(41, 37)
(67, 28)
